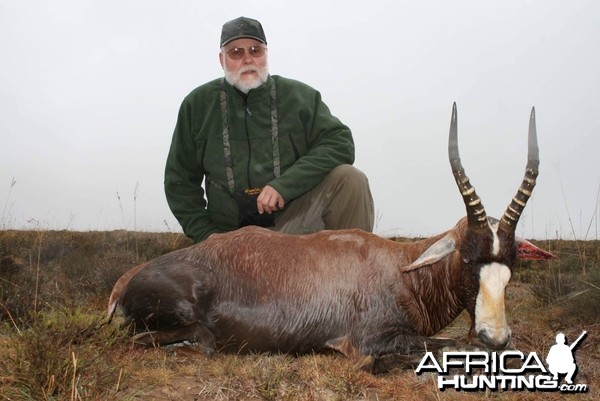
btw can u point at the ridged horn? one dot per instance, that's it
(511, 216)
(476, 215)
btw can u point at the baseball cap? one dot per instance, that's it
(242, 27)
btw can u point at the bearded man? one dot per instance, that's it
(267, 149)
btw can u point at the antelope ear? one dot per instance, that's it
(436, 252)
(527, 251)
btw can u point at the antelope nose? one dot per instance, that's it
(497, 343)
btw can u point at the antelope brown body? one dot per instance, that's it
(366, 296)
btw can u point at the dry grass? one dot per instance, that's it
(53, 292)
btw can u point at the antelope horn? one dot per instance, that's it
(509, 221)
(476, 216)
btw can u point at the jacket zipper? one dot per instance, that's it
(294, 148)
(247, 113)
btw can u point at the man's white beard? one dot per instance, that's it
(246, 84)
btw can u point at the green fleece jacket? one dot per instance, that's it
(311, 143)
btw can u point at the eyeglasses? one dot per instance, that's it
(237, 53)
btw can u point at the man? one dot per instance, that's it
(267, 147)
(560, 358)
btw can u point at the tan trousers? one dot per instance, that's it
(342, 200)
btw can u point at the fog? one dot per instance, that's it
(89, 93)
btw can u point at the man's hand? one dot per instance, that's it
(269, 200)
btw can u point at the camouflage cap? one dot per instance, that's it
(242, 27)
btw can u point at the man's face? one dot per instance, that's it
(245, 63)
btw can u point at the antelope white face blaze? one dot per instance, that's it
(496, 243)
(490, 318)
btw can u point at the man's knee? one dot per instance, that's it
(348, 174)
(350, 200)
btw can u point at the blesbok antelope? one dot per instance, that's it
(365, 296)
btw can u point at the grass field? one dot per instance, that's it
(54, 287)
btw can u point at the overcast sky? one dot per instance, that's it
(89, 94)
